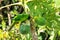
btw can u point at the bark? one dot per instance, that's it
(33, 31)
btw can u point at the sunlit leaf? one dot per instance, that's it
(20, 17)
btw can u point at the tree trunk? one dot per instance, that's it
(33, 31)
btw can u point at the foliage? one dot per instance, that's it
(40, 20)
(24, 29)
(29, 20)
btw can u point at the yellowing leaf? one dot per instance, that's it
(5, 34)
(17, 25)
(1, 34)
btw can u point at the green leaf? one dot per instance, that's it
(40, 21)
(20, 17)
(24, 29)
(59, 33)
(57, 2)
(31, 5)
(35, 8)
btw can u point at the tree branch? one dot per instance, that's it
(33, 31)
(19, 3)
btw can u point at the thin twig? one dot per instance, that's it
(19, 3)
(9, 18)
(46, 36)
(11, 26)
